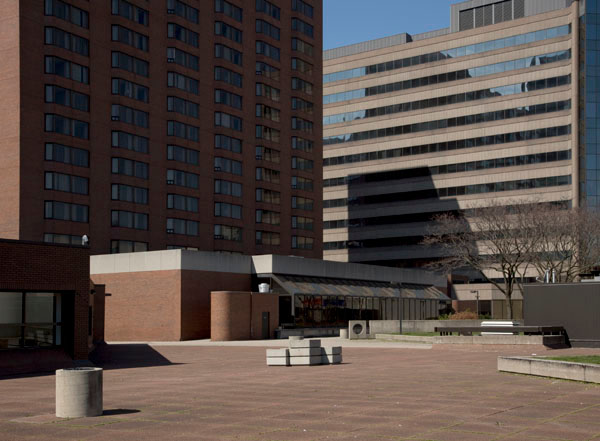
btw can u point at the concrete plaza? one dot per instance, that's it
(383, 392)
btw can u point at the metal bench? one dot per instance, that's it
(527, 330)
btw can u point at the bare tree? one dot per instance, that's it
(492, 240)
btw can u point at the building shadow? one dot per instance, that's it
(112, 412)
(125, 356)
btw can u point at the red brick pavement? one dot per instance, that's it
(228, 393)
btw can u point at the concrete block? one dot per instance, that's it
(357, 329)
(278, 361)
(296, 337)
(592, 373)
(305, 343)
(331, 358)
(78, 392)
(305, 361)
(283, 352)
(344, 333)
(514, 364)
(558, 369)
(331, 350)
(304, 352)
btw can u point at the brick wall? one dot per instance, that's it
(28, 266)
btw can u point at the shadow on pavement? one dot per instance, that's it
(111, 412)
(127, 356)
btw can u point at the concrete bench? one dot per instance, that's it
(304, 353)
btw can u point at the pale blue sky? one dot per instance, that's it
(352, 21)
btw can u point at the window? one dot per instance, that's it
(300, 183)
(228, 76)
(67, 239)
(182, 226)
(301, 242)
(228, 188)
(64, 11)
(268, 196)
(302, 105)
(267, 70)
(183, 10)
(267, 133)
(228, 143)
(268, 8)
(183, 203)
(67, 183)
(67, 69)
(185, 107)
(228, 31)
(300, 65)
(228, 166)
(130, 90)
(224, 209)
(183, 179)
(182, 34)
(267, 238)
(267, 175)
(228, 54)
(264, 27)
(130, 12)
(31, 320)
(302, 203)
(67, 126)
(230, 10)
(302, 124)
(67, 155)
(129, 37)
(267, 154)
(272, 93)
(302, 223)
(223, 119)
(129, 219)
(226, 232)
(302, 7)
(182, 154)
(127, 193)
(305, 145)
(184, 131)
(228, 98)
(182, 82)
(302, 26)
(129, 115)
(263, 111)
(182, 58)
(266, 49)
(302, 47)
(128, 167)
(301, 163)
(68, 41)
(130, 64)
(127, 246)
(67, 97)
(65, 211)
(128, 141)
(300, 84)
(267, 217)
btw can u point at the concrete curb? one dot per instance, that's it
(566, 370)
(546, 340)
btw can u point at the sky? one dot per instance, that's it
(352, 21)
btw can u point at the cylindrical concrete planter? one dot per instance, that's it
(343, 333)
(78, 392)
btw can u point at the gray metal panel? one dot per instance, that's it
(366, 46)
(576, 306)
(534, 7)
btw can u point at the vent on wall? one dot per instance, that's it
(519, 8)
(465, 20)
(490, 14)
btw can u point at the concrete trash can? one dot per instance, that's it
(78, 392)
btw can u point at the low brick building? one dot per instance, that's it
(50, 314)
(183, 295)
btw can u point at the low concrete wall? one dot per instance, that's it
(546, 340)
(308, 332)
(430, 325)
(385, 327)
(550, 368)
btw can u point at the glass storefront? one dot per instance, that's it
(30, 319)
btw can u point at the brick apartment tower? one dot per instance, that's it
(162, 124)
